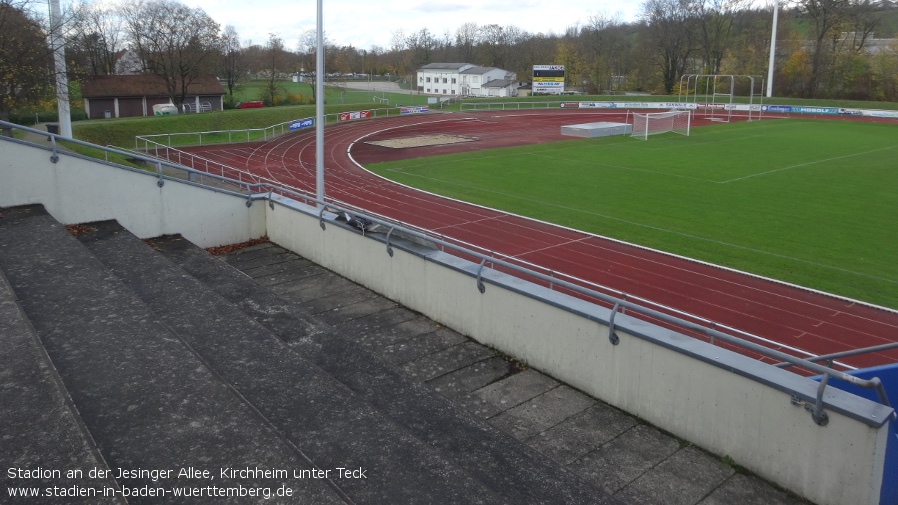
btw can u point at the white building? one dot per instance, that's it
(465, 79)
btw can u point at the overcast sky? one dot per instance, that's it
(367, 23)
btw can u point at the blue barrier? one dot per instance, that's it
(888, 374)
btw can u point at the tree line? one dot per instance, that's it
(825, 48)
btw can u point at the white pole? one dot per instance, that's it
(319, 109)
(62, 82)
(776, 5)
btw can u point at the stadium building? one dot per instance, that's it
(466, 79)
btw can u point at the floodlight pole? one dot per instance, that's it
(776, 5)
(62, 82)
(319, 110)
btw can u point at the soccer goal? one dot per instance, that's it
(677, 121)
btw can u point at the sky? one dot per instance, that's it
(366, 23)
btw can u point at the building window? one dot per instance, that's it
(428, 79)
(420, 79)
(444, 91)
(453, 80)
(444, 80)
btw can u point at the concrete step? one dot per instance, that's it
(610, 449)
(510, 468)
(332, 425)
(149, 402)
(41, 427)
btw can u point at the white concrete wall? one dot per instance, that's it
(724, 412)
(76, 190)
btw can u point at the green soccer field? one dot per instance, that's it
(814, 203)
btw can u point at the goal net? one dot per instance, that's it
(677, 121)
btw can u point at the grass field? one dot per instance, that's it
(809, 202)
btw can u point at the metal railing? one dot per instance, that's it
(214, 137)
(619, 302)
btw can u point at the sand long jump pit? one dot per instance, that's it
(438, 139)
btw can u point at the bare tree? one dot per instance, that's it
(421, 44)
(671, 29)
(274, 65)
(493, 45)
(716, 30)
(605, 46)
(466, 40)
(515, 59)
(233, 67)
(175, 42)
(825, 17)
(96, 39)
(308, 51)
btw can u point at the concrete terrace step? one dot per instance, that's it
(506, 467)
(41, 428)
(147, 400)
(327, 421)
(612, 450)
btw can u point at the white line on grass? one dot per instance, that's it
(800, 165)
(665, 230)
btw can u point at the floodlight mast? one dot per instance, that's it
(776, 5)
(319, 109)
(62, 83)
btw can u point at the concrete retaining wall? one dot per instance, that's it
(724, 402)
(78, 190)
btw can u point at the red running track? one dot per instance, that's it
(791, 316)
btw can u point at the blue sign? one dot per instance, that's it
(798, 109)
(414, 110)
(777, 108)
(302, 123)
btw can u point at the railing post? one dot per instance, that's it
(818, 414)
(480, 285)
(55, 156)
(160, 182)
(389, 247)
(612, 335)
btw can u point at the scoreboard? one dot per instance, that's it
(548, 79)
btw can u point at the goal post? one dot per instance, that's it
(651, 123)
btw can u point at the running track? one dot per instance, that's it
(792, 316)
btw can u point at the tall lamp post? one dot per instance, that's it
(776, 5)
(319, 109)
(62, 82)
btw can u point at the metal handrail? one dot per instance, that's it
(276, 130)
(256, 191)
(845, 354)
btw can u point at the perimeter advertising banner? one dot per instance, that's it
(548, 79)
(302, 123)
(414, 110)
(629, 105)
(781, 109)
(349, 116)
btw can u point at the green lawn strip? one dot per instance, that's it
(808, 202)
(336, 93)
(122, 132)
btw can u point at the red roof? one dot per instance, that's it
(105, 86)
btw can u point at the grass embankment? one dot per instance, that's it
(121, 132)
